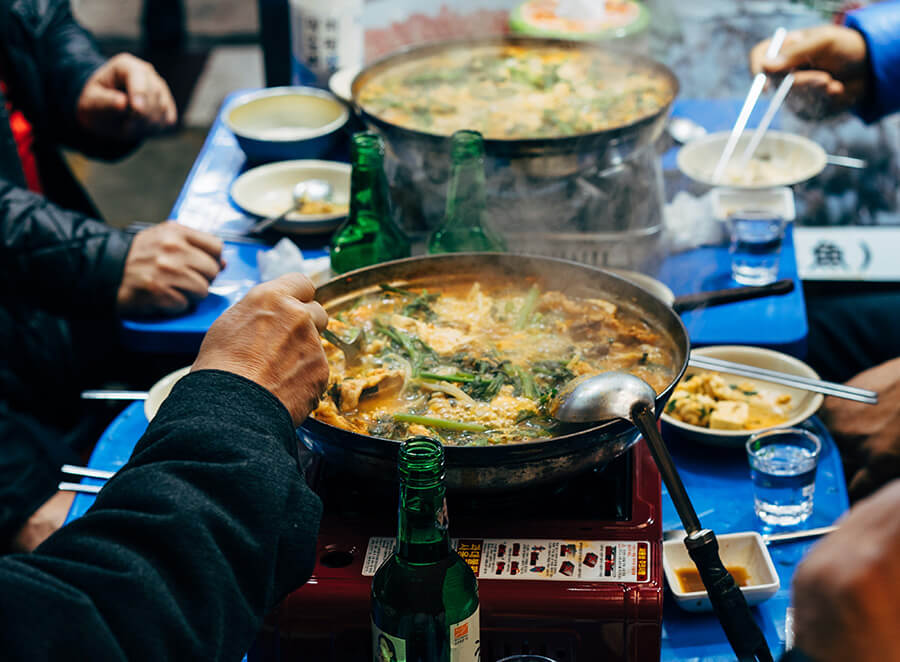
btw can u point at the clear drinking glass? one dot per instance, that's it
(783, 470)
(756, 238)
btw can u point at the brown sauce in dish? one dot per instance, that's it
(690, 581)
(477, 363)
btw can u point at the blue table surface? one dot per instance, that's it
(718, 482)
(204, 203)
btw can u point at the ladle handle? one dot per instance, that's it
(726, 598)
(715, 297)
(645, 421)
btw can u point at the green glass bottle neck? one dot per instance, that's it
(369, 194)
(422, 535)
(466, 195)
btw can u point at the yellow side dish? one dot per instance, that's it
(709, 400)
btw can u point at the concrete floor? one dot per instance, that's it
(143, 186)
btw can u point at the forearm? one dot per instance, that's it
(57, 259)
(186, 548)
(879, 25)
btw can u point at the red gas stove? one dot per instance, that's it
(571, 571)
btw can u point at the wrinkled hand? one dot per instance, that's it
(846, 604)
(168, 267)
(868, 435)
(43, 522)
(271, 337)
(125, 99)
(829, 64)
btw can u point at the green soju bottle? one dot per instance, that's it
(424, 597)
(465, 226)
(369, 235)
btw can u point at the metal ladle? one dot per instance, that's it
(613, 395)
(309, 190)
(351, 348)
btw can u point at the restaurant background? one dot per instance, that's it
(222, 49)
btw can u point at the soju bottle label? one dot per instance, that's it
(464, 637)
(386, 648)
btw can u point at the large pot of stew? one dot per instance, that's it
(470, 348)
(548, 107)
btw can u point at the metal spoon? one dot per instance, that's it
(612, 395)
(684, 130)
(351, 348)
(309, 190)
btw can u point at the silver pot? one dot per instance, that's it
(510, 466)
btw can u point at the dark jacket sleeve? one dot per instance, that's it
(208, 525)
(56, 259)
(68, 56)
(879, 25)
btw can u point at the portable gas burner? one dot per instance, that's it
(571, 571)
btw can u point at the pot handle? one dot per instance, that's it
(715, 297)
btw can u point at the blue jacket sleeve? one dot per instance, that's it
(879, 25)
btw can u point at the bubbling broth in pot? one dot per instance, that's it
(477, 362)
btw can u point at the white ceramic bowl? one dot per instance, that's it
(160, 391)
(793, 159)
(266, 191)
(803, 404)
(341, 83)
(745, 549)
(280, 123)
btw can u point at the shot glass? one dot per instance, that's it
(756, 238)
(783, 470)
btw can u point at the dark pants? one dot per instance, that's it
(852, 327)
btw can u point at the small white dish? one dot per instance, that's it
(266, 191)
(160, 391)
(790, 159)
(778, 201)
(803, 404)
(746, 550)
(341, 83)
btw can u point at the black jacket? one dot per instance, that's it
(207, 527)
(59, 267)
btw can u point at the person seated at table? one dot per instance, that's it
(855, 66)
(65, 275)
(846, 592)
(208, 525)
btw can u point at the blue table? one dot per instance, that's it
(204, 203)
(718, 482)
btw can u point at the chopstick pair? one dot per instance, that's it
(794, 381)
(756, 88)
(86, 472)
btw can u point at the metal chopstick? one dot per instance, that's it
(756, 88)
(79, 487)
(770, 538)
(72, 470)
(818, 386)
(774, 105)
(113, 394)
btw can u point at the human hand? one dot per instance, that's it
(829, 63)
(43, 522)
(868, 435)
(168, 267)
(845, 591)
(125, 99)
(271, 337)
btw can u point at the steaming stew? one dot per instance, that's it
(477, 364)
(512, 92)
